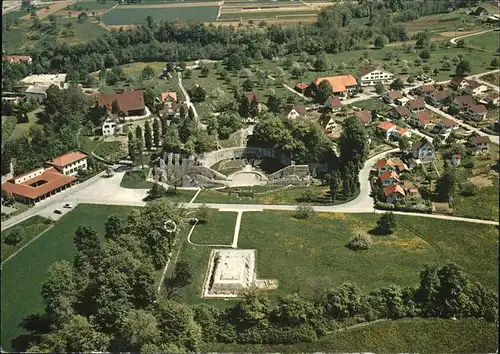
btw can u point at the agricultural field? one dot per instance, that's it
(487, 41)
(429, 335)
(451, 21)
(137, 16)
(302, 253)
(22, 275)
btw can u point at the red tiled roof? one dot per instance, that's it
(400, 165)
(382, 163)
(333, 101)
(52, 178)
(416, 104)
(423, 117)
(364, 116)
(478, 108)
(66, 159)
(17, 59)
(465, 101)
(402, 131)
(127, 101)
(448, 123)
(481, 140)
(338, 83)
(302, 85)
(441, 95)
(165, 95)
(428, 88)
(366, 70)
(386, 125)
(395, 94)
(389, 174)
(250, 96)
(393, 188)
(402, 111)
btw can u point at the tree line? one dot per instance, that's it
(106, 300)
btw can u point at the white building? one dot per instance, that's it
(46, 80)
(69, 164)
(475, 88)
(111, 125)
(36, 92)
(370, 76)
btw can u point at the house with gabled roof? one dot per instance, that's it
(420, 120)
(400, 133)
(395, 165)
(131, 103)
(294, 111)
(400, 112)
(458, 83)
(477, 111)
(389, 177)
(301, 87)
(423, 150)
(333, 103)
(387, 128)
(168, 97)
(465, 101)
(394, 193)
(371, 75)
(341, 84)
(327, 122)
(69, 164)
(417, 105)
(475, 88)
(110, 124)
(446, 126)
(426, 90)
(364, 116)
(438, 97)
(481, 143)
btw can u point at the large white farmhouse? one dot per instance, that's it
(370, 75)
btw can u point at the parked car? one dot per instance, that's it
(58, 211)
(68, 206)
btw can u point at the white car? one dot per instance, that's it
(68, 206)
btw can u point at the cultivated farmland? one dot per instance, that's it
(136, 16)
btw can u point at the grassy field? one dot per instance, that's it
(110, 150)
(22, 275)
(137, 16)
(301, 254)
(372, 104)
(488, 41)
(218, 230)
(402, 336)
(22, 129)
(287, 196)
(483, 205)
(181, 196)
(30, 228)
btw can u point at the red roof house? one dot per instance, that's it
(18, 59)
(340, 84)
(130, 102)
(364, 116)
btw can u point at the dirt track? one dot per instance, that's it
(163, 6)
(52, 8)
(261, 10)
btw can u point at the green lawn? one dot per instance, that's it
(135, 180)
(218, 230)
(22, 275)
(276, 195)
(110, 150)
(488, 41)
(372, 104)
(137, 16)
(22, 129)
(84, 31)
(403, 336)
(483, 205)
(91, 5)
(30, 229)
(301, 254)
(180, 196)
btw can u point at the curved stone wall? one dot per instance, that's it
(213, 157)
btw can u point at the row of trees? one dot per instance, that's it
(107, 301)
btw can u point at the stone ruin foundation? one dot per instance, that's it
(230, 271)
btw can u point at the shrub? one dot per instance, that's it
(386, 224)
(14, 237)
(360, 242)
(468, 189)
(202, 214)
(306, 196)
(303, 212)
(247, 194)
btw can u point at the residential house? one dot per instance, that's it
(421, 120)
(493, 99)
(46, 80)
(400, 113)
(69, 164)
(387, 128)
(37, 185)
(456, 159)
(301, 87)
(251, 96)
(395, 165)
(370, 76)
(481, 143)
(477, 112)
(389, 177)
(426, 90)
(400, 133)
(174, 110)
(342, 85)
(294, 111)
(364, 116)
(438, 97)
(327, 122)
(168, 97)
(17, 59)
(464, 102)
(458, 83)
(394, 193)
(130, 103)
(475, 88)
(396, 97)
(416, 106)
(36, 92)
(333, 103)
(423, 150)
(111, 125)
(446, 126)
